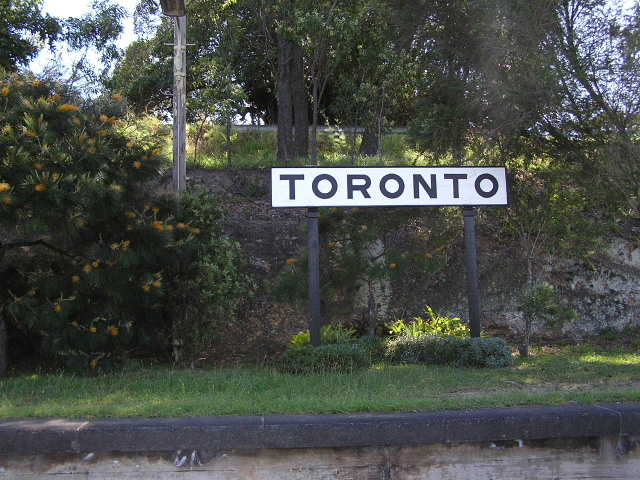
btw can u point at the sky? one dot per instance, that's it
(78, 8)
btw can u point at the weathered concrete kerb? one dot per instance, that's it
(597, 441)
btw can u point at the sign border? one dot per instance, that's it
(360, 204)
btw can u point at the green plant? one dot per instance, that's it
(207, 287)
(111, 266)
(330, 358)
(461, 352)
(542, 304)
(329, 334)
(610, 334)
(435, 325)
(75, 191)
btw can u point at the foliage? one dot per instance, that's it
(425, 350)
(461, 352)
(103, 264)
(251, 148)
(542, 304)
(328, 334)
(436, 325)
(207, 289)
(74, 196)
(359, 252)
(345, 357)
(23, 31)
(95, 32)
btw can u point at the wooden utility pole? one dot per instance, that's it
(178, 10)
(180, 104)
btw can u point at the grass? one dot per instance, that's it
(258, 149)
(572, 376)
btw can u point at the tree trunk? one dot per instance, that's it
(314, 121)
(526, 341)
(372, 313)
(300, 104)
(369, 145)
(228, 135)
(285, 102)
(4, 362)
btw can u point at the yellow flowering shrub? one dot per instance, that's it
(74, 183)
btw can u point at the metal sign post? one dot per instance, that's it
(314, 276)
(473, 295)
(315, 187)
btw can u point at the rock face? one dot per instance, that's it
(607, 294)
(604, 289)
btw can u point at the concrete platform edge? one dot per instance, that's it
(51, 436)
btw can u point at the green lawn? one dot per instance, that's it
(574, 375)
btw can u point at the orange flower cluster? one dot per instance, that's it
(67, 107)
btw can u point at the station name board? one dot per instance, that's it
(388, 186)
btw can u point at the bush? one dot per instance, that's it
(374, 349)
(104, 265)
(435, 325)
(428, 350)
(461, 352)
(328, 334)
(332, 358)
(206, 288)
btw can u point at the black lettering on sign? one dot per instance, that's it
(456, 177)
(320, 178)
(397, 179)
(362, 188)
(419, 181)
(292, 185)
(494, 185)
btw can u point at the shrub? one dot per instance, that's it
(209, 282)
(437, 325)
(462, 352)
(374, 349)
(328, 334)
(427, 350)
(332, 358)
(103, 262)
(541, 304)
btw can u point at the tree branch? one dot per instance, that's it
(33, 243)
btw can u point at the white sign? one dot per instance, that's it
(388, 186)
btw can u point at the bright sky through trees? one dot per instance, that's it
(78, 8)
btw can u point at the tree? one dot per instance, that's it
(71, 183)
(23, 31)
(94, 32)
(220, 102)
(597, 52)
(550, 216)
(375, 82)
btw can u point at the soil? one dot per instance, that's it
(269, 236)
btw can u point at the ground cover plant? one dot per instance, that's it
(550, 376)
